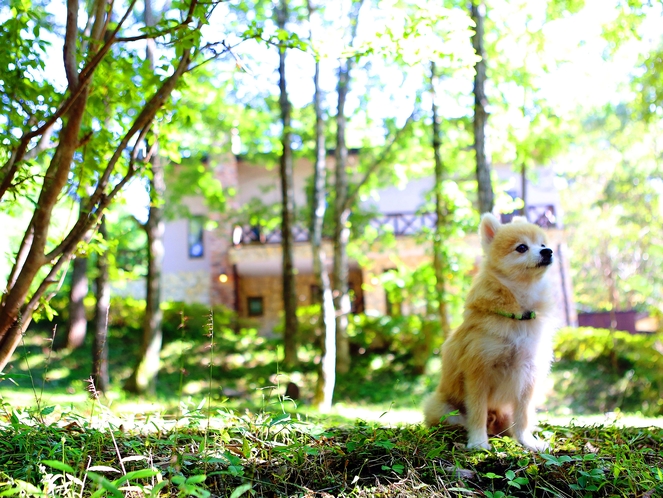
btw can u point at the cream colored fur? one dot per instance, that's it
(492, 364)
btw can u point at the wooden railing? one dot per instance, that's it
(403, 223)
(400, 224)
(255, 235)
(543, 215)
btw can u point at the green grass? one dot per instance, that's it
(280, 454)
(241, 437)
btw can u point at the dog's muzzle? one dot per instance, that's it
(546, 257)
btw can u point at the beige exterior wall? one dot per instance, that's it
(264, 183)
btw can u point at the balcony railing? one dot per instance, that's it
(543, 215)
(400, 224)
(403, 223)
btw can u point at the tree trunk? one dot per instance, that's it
(484, 183)
(12, 320)
(342, 303)
(287, 208)
(144, 376)
(324, 391)
(77, 320)
(341, 228)
(102, 307)
(439, 259)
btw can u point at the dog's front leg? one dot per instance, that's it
(476, 404)
(522, 419)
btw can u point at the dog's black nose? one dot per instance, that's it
(546, 253)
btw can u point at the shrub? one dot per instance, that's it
(600, 370)
(413, 337)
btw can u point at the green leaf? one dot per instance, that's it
(279, 419)
(158, 487)
(23, 488)
(48, 410)
(550, 459)
(240, 490)
(196, 479)
(386, 444)
(106, 485)
(57, 465)
(137, 474)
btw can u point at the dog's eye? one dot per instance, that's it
(522, 248)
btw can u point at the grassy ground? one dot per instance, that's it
(280, 454)
(219, 425)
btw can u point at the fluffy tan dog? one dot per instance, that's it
(491, 364)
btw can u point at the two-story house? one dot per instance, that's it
(240, 266)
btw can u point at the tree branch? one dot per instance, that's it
(99, 200)
(384, 154)
(89, 68)
(43, 144)
(70, 65)
(216, 55)
(21, 255)
(11, 166)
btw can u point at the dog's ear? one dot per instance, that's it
(519, 219)
(488, 228)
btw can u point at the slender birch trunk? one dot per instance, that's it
(484, 182)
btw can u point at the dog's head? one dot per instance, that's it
(517, 250)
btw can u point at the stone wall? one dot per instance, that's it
(187, 287)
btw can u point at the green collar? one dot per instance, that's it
(528, 315)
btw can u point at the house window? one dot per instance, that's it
(195, 237)
(255, 306)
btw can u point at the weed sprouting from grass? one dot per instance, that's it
(29, 368)
(210, 335)
(47, 366)
(180, 391)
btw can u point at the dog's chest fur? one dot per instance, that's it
(529, 296)
(521, 354)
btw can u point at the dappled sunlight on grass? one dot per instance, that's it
(246, 374)
(607, 419)
(390, 417)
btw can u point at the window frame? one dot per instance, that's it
(255, 299)
(199, 236)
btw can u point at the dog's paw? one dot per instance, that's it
(478, 445)
(533, 444)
